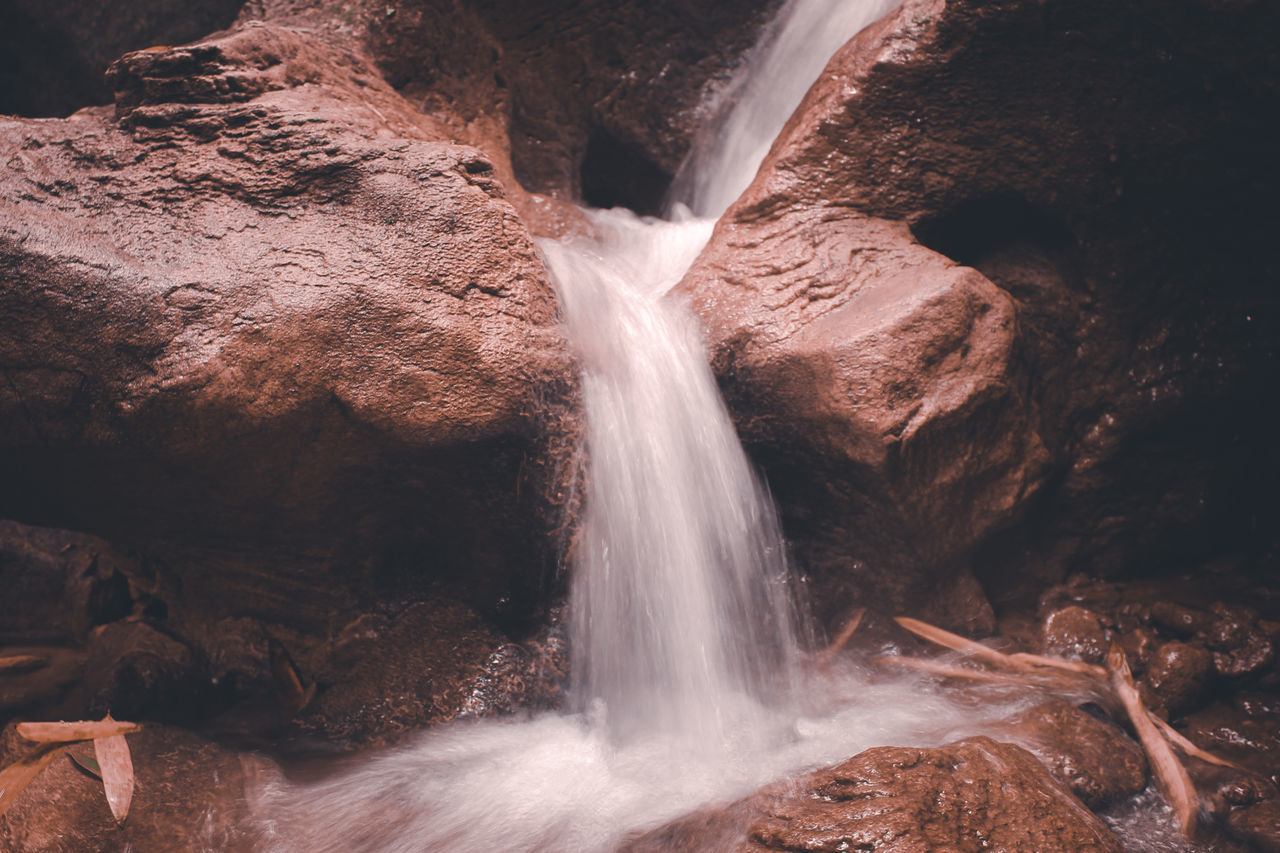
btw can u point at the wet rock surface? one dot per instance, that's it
(1092, 756)
(973, 795)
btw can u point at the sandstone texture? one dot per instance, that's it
(190, 794)
(263, 306)
(996, 300)
(974, 795)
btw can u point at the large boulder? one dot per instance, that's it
(265, 308)
(974, 795)
(1108, 179)
(598, 100)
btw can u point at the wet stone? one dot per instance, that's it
(1179, 620)
(1240, 646)
(1075, 633)
(1179, 674)
(1094, 758)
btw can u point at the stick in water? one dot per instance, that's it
(1171, 776)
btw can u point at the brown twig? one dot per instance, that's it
(1171, 777)
(957, 643)
(842, 639)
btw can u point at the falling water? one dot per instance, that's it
(683, 627)
(682, 619)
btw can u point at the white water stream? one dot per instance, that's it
(686, 687)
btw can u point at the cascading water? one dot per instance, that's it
(682, 620)
(682, 625)
(680, 617)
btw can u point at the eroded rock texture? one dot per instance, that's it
(1079, 394)
(973, 795)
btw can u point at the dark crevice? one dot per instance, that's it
(615, 174)
(976, 228)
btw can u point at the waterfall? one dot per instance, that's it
(682, 619)
(683, 627)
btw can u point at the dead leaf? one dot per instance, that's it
(116, 764)
(78, 730)
(87, 763)
(16, 777)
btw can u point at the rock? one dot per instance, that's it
(385, 676)
(190, 794)
(596, 100)
(968, 796)
(56, 50)
(1071, 384)
(1240, 646)
(1094, 758)
(1077, 634)
(1243, 733)
(872, 373)
(1179, 674)
(1178, 620)
(135, 672)
(268, 310)
(58, 585)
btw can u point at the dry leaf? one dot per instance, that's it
(78, 730)
(116, 764)
(17, 776)
(87, 763)
(1171, 777)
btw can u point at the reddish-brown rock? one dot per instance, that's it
(1075, 633)
(878, 375)
(1179, 674)
(190, 794)
(384, 676)
(1060, 419)
(265, 307)
(1094, 758)
(973, 795)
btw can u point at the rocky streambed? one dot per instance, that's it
(289, 423)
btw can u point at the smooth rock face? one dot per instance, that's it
(974, 795)
(266, 308)
(1057, 406)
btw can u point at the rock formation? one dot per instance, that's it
(1082, 403)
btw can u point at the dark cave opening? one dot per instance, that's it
(616, 174)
